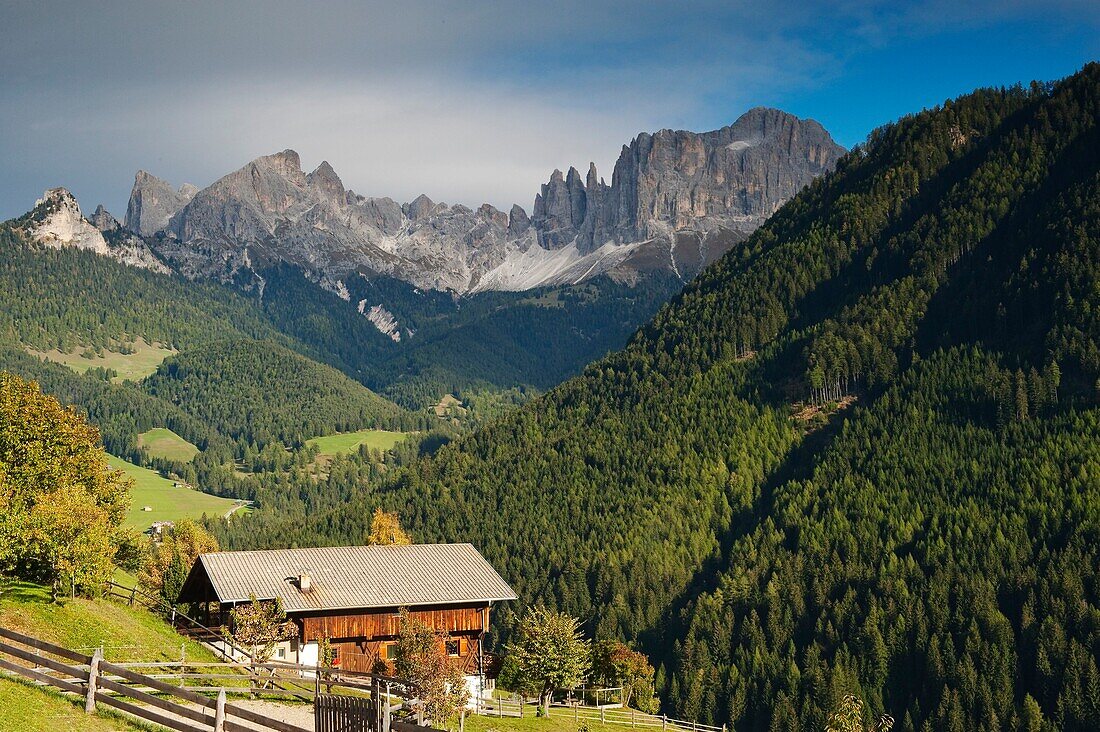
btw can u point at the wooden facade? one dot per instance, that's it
(363, 639)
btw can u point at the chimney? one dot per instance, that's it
(305, 582)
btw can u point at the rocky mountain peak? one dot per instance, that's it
(677, 200)
(287, 163)
(420, 207)
(103, 220)
(56, 220)
(153, 202)
(327, 184)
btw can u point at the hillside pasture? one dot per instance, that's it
(164, 443)
(169, 502)
(347, 442)
(142, 362)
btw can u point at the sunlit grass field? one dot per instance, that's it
(164, 443)
(169, 503)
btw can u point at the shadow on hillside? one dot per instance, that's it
(799, 464)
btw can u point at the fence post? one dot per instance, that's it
(664, 721)
(93, 677)
(133, 594)
(376, 703)
(602, 715)
(388, 716)
(219, 713)
(632, 718)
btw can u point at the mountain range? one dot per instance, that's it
(420, 299)
(677, 201)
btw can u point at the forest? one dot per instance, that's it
(859, 454)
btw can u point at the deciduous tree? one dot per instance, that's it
(549, 652)
(435, 679)
(61, 507)
(385, 528)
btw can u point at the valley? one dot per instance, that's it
(789, 421)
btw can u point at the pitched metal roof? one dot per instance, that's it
(350, 577)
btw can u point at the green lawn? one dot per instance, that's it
(134, 366)
(350, 441)
(169, 503)
(164, 443)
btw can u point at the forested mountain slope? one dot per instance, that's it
(71, 299)
(262, 392)
(934, 547)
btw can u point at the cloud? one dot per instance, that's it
(468, 102)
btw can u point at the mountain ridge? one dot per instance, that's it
(677, 200)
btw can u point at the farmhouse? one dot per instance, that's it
(352, 595)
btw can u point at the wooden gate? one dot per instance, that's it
(334, 713)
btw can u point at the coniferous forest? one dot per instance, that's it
(860, 453)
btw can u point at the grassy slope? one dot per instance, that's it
(562, 723)
(168, 503)
(345, 442)
(163, 442)
(30, 708)
(126, 634)
(133, 366)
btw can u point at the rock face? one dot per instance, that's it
(56, 221)
(677, 201)
(672, 181)
(153, 202)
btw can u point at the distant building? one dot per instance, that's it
(353, 595)
(158, 529)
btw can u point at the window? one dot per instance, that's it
(389, 651)
(281, 653)
(452, 647)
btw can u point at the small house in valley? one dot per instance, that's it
(353, 597)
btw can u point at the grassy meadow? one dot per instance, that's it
(346, 442)
(164, 443)
(169, 503)
(130, 366)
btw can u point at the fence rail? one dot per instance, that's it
(131, 688)
(154, 700)
(630, 718)
(504, 707)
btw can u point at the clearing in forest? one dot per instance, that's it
(164, 443)
(139, 363)
(345, 442)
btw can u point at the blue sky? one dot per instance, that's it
(472, 101)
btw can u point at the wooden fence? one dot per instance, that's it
(144, 689)
(99, 681)
(629, 718)
(504, 707)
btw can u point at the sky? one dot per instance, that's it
(469, 101)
